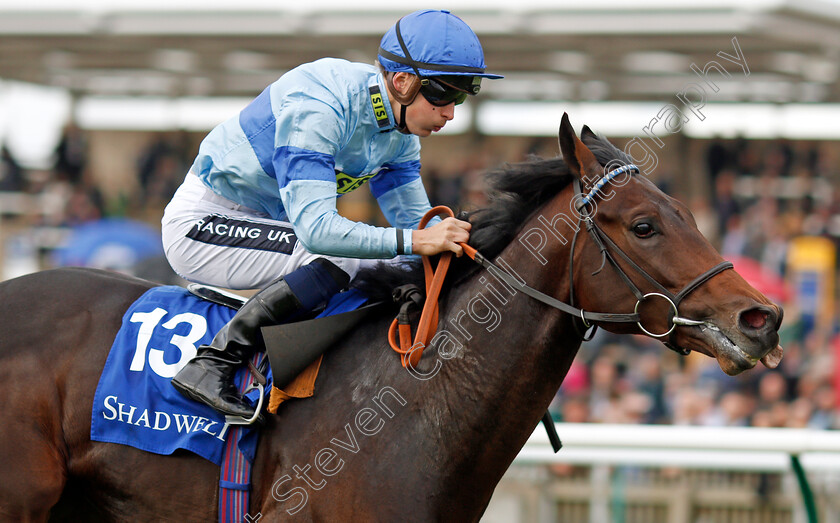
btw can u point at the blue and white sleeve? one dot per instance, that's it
(400, 193)
(309, 199)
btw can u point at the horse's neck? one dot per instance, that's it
(489, 397)
(452, 432)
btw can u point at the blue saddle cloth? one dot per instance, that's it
(136, 405)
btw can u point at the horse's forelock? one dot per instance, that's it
(604, 151)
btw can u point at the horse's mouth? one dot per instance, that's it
(732, 358)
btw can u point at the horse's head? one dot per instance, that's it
(710, 309)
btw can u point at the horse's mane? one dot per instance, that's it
(514, 192)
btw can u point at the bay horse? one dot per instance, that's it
(379, 442)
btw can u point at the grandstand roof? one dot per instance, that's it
(597, 50)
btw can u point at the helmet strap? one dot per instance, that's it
(404, 99)
(401, 124)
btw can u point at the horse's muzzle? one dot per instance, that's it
(761, 324)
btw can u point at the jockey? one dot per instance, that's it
(258, 207)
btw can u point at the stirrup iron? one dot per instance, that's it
(239, 420)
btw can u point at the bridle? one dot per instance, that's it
(399, 334)
(607, 247)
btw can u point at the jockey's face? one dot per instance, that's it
(421, 117)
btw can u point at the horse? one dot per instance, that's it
(380, 442)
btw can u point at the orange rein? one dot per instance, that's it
(410, 353)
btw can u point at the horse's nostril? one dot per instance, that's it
(754, 318)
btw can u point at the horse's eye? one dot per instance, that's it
(643, 230)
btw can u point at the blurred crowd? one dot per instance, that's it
(75, 193)
(638, 380)
(761, 195)
(44, 209)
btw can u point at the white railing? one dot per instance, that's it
(794, 459)
(724, 448)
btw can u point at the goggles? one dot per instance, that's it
(454, 89)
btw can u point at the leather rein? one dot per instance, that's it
(411, 351)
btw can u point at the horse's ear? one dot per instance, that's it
(578, 157)
(587, 135)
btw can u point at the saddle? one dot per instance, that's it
(295, 350)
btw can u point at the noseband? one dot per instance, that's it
(606, 246)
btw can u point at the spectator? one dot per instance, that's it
(11, 174)
(161, 166)
(71, 154)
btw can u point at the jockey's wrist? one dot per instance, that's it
(403, 241)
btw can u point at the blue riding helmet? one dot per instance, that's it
(433, 43)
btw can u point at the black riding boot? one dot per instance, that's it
(208, 377)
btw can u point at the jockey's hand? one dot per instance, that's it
(441, 237)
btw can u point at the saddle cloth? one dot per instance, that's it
(136, 405)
